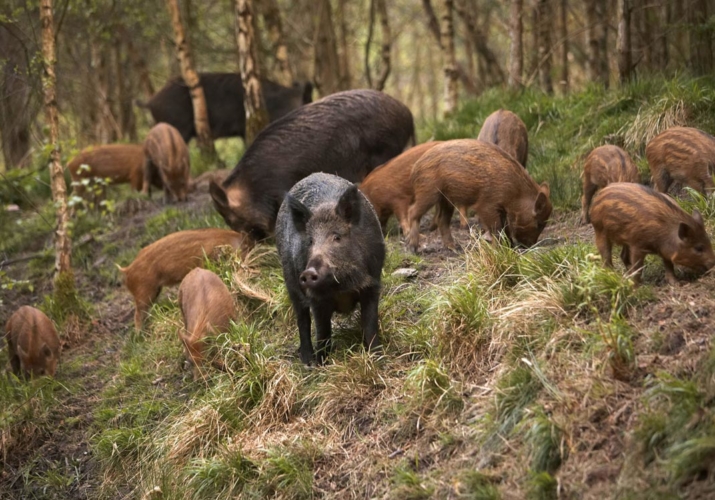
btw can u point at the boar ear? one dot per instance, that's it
(218, 194)
(299, 213)
(544, 188)
(541, 201)
(685, 232)
(698, 218)
(46, 352)
(349, 205)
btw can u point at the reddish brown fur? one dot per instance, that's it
(120, 163)
(605, 165)
(389, 188)
(480, 175)
(683, 155)
(166, 154)
(167, 261)
(207, 308)
(644, 222)
(506, 130)
(33, 344)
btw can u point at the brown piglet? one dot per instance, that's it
(389, 189)
(120, 163)
(167, 156)
(207, 308)
(33, 344)
(167, 261)
(683, 155)
(605, 165)
(476, 174)
(643, 221)
(506, 130)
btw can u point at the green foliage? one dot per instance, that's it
(474, 485)
(542, 486)
(515, 391)
(545, 439)
(408, 485)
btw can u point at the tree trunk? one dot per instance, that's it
(140, 67)
(592, 41)
(272, 18)
(344, 52)
(534, 55)
(545, 23)
(701, 53)
(327, 64)
(449, 60)
(624, 41)
(191, 79)
(256, 114)
(127, 120)
(494, 73)
(63, 243)
(378, 7)
(663, 55)
(602, 14)
(564, 82)
(516, 48)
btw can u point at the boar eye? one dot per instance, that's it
(699, 248)
(336, 237)
(310, 240)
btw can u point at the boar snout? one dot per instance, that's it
(309, 278)
(317, 274)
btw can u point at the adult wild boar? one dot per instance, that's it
(684, 155)
(207, 308)
(166, 261)
(346, 134)
(33, 344)
(332, 252)
(120, 163)
(605, 165)
(643, 221)
(477, 174)
(224, 103)
(506, 130)
(167, 156)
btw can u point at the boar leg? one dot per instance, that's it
(146, 181)
(463, 217)
(662, 180)
(626, 256)
(588, 193)
(414, 214)
(670, 272)
(446, 209)
(637, 258)
(605, 246)
(491, 222)
(369, 300)
(15, 364)
(322, 313)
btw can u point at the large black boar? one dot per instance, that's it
(332, 251)
(346, 134)
(224, 101)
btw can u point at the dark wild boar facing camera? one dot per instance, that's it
(346, 134)
(332, 252)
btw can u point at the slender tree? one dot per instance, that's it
(272, 17)
(516, 47)
(379, 7)
(327, 64)
(448, 58)
(701, 51)
(346, 72)
(191, 79)
(63, 243)
(564, 25)
(623, 44)
(256, 114)
(493, 72)
(543, 13)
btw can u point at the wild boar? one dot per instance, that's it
(166, 155)
(683, 155)
(604, 165)
(644, 222)
(224, 103)
(480, 175)
(168, 260)
(33, 344)
(506, 130)
(207, 308)
(120, 163)
(389, 189)
(346, 134)
(332, 252)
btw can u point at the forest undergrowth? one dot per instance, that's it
(505, 373)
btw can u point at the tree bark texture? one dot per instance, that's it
(516, 45)
(256, 114)
(281, 70)
(63, 243)
(346, 73)
(378, 7)
(191, 79)
(545, 24)
(448, 58)
(16, 105)
(623, 44)
(564, 81)
(327, 64)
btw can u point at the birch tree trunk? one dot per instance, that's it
(191, 78)
(545, 26)
(623, 44)
(256, 114)
(449, 59)
(272, 17)
(63, 243)
(516, 48)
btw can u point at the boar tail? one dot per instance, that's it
(122, 269)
